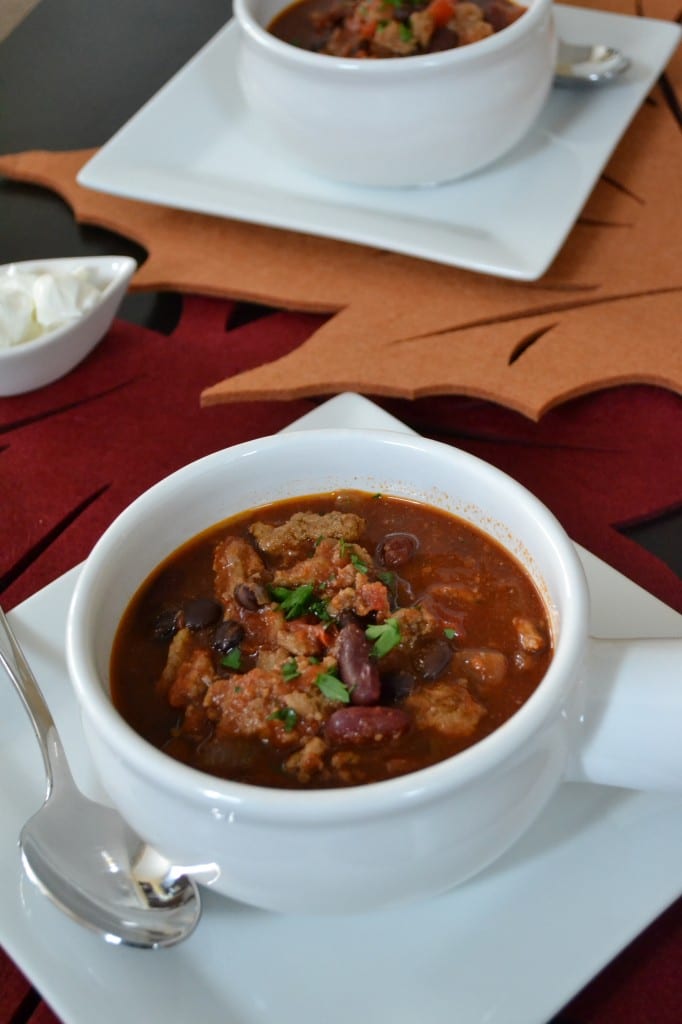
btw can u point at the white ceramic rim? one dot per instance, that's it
(357, 802)
(119, 274)
(388, 68)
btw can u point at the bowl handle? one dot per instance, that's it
(630, 732)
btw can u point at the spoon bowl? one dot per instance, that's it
(585, 65)
(83, 855)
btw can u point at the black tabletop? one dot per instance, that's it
(71, 75)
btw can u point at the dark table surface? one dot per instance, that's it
(72, 74)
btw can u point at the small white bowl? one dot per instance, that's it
(414, 120)
(33, 364)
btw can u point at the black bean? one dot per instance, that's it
(251, 596)
(395, 686)
(366, 725)
(357, 670)
(396, 549)
(202, 612)
(167, 624)
(229, 634)
(433, 658)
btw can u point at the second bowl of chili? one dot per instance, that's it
(425, 115)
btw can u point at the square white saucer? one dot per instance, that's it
(194, 146)
(510, 947)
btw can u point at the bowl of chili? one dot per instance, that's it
(432, 112)
(384, 829)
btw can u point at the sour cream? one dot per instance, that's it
(33, 303)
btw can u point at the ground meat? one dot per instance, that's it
(469, 24)
(422, 25)
(446, 707)
(531, 636)
(254, 704)
(187, 689)
(308, 761)
(243, 705)
(303, 638)
(297, 535)
(485, 667)
(392, 38)
(178, 651)
(236, 562)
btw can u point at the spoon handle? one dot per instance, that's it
(19, 672)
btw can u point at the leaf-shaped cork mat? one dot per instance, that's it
(607, 312)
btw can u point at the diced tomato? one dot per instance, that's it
(441, 11)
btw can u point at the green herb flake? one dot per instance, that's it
(233, 659)
(290, 670)
(287, 716)
(450, 633)
(319, 609)
(313, 660)
(386, 637)
(388, 579)
(358, 563)
(333, 688)
(406, 33)
(293, 603)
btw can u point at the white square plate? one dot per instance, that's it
(510, 947)
(194, 147)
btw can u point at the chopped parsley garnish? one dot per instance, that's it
(386, 637)
(290, 670)
(300, 601)
(358, 563)
(450, 633)
(333, 688)
(233, 659)
(319, 608)
(406, 33)
(293, 603)
(388, 579)
(287, 716)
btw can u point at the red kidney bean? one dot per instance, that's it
(356, 668)
(433, 659)
(396, 549)
(366, 725)
(228, 634)
(202, 612)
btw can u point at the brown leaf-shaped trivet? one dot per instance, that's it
(608, 311)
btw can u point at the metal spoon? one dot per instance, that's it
(579, 65)
(83, 855)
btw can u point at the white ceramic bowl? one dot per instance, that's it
(367, 846)
(406, 121)
(33, 364)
